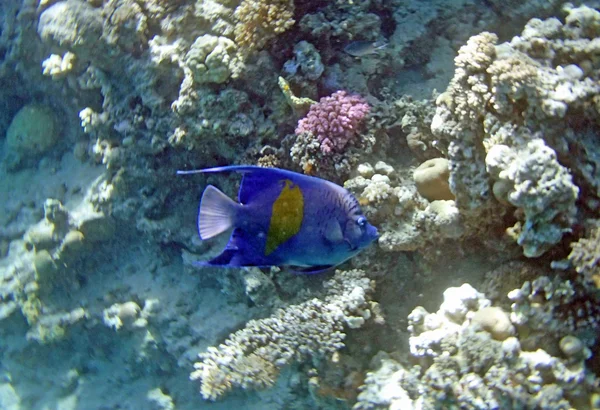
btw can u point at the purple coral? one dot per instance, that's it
(334, 120)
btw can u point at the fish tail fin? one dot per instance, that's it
(217, 213)
(380, 44)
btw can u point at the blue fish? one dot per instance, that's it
(283, 219)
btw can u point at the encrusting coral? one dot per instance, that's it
(252, 357)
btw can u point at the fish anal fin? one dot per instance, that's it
(241, 250)
(310, 270)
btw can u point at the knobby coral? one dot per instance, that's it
(334, 120)
(260, 20)
(585, 256)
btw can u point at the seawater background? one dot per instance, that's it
(101, 305)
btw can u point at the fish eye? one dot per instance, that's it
(361, 221)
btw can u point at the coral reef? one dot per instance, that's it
(408, 221)
(102, 302)
(468, 355)
(33, 131)
(431, 179)
(531, 179)
(213, 59)
(529, 98)
(253, 356)
(331, 135)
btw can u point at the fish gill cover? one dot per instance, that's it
(471, 143)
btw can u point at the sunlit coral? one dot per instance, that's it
(260, 20)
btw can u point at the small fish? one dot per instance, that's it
(362, 48)
(283, 219)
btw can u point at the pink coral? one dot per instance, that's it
(334, 120)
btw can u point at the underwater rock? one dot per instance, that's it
(51, 328)
(56, 214)
(383, 168)
(74, 25)
(45, 266)
(129, 314)
(259, 287)
(159, 400)
(97, 228)
(9, 399)
(41, 236)
(307, 57)
(365, 170)
(33, 131)
(72, 244)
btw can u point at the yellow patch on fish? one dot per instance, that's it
(286, 216)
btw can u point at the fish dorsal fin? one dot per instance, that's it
(255, 183)
(257, 180)
(287, 213)
(333, 231)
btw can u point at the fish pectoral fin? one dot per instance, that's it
(333, 231)
(309, 270)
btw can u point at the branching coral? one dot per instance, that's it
(252, 357)
(334, 120)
